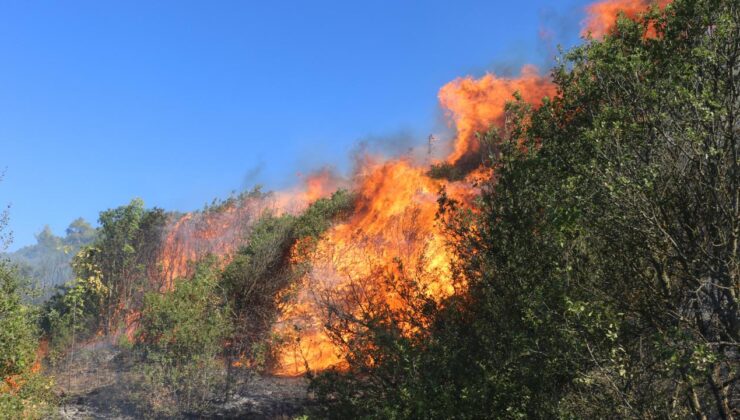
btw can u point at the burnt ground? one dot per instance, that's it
(96, 383)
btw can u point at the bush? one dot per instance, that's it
(269, 265)
(180, 335)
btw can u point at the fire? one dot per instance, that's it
(319, 184)
(41, 352)
(394, 225)
(14, 383)
(195, 235)
(475, 105)
(393, 221)
(221, 231)
(602, 15)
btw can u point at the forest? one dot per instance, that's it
(573, 255)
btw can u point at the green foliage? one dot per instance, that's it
(319, 216)
(18, 335)
(179, 336)
(219, 205)
(446, 171)
(74, 310)
(602, 263)
(31, 397)
(111, 274)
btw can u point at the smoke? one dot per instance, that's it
(397, 144)
(253, 175)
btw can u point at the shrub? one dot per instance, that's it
(180, 335)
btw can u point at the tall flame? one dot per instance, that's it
(476, 104)
(602, 15)
(393, 221)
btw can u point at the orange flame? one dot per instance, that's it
(222, 231)
(319, 184)
(41, 352)
(393, 221)
(475, 105)
(13, 383)
(602, 15)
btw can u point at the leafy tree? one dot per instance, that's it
(126, 233)
(111, 275)
(23, 391)
(79, 233)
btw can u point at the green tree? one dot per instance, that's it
(122, 259)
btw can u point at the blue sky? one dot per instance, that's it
(179, 102)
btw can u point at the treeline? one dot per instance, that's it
(602, 260)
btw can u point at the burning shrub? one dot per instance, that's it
(258, 279)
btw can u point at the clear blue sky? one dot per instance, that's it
(179, 102)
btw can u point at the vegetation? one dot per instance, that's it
(179, 336)
(112, 274)
(265, 267)
(24, 393)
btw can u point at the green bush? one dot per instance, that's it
(179, 337)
